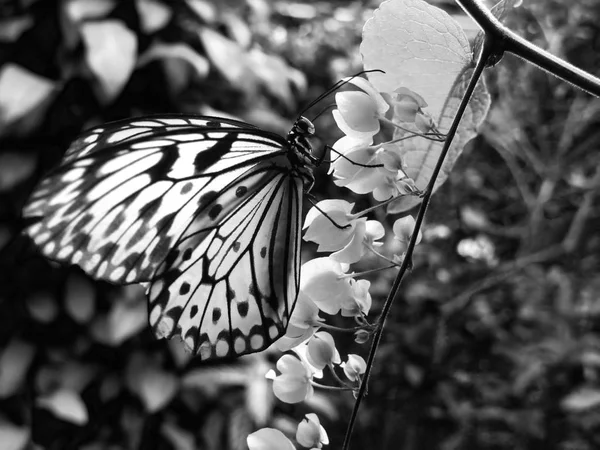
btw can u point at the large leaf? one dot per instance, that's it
(111, 55)
(419, 46)
(21, 92)
(421, 158)
(422, 48)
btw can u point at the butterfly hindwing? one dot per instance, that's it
(230, 289)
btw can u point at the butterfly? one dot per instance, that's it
(204, 211)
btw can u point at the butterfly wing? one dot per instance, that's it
(229, 289)
(125, 191)
(206, 210)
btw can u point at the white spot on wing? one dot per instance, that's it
(174, 121)
(205, 350)
(77, 256)
(146, 123)
(189, 137)
(155, 314)
(117, 273)
(256, 341)
(222, 348)
(121, 135)
(91, 138)
(64, 251)
(273, 332)
(153, 143)
(49, 248)
(187, 152)
(189, 344)
(164, 327)
(239, 345)
(126, 160)
(102, 269)
(72, 175)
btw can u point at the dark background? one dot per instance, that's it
(494, 342)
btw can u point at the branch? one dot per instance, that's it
(508, 41)
(487, 50)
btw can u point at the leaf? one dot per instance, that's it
(581, 400)
(178, 437)
(229, 59)
(421, 158)
(179, 354)
(80, 298)
(14, 169)
(14, 363)
(13, 437)
(66, 405)
(209, 379)
(164, 50)
(124, 320)
(154, 386)
(13, 27)
(42, 307)
(423, 49)
(276, 76)
(80, 10)
(206, 10)
(154, 15)
(259, 391)
(111, 55)
(419, 46)
(21, 91)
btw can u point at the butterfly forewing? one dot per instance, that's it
(206, 210)
(116, 207)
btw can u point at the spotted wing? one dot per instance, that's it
(229, 284)
(126, 191)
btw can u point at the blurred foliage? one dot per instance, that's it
(493, 343)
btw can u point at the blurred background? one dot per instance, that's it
(494, 342)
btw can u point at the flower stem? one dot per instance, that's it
(487, 50)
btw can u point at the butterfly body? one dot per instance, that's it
(205, 211)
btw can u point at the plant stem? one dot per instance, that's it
(506, 40)
(489, 46)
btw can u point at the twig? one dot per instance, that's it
(487, 50)
(507, 41)
(571, 240)
(462, 301)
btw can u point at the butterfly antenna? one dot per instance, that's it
(323, 111)
(335, 87)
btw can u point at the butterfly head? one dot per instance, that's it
(297, 137)
(303, 127)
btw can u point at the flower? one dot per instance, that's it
(358, 111)
(304, 322)
(403, 229)
(324, 281)
(354, 367)
(293, 385)
(349, 243)
(320, 227)
(321, 350)
(269, 439)
(407, 104)
(359, 302)
(356, 169)
(310, 433)
(371, 169)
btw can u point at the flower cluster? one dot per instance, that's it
(364, 162)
